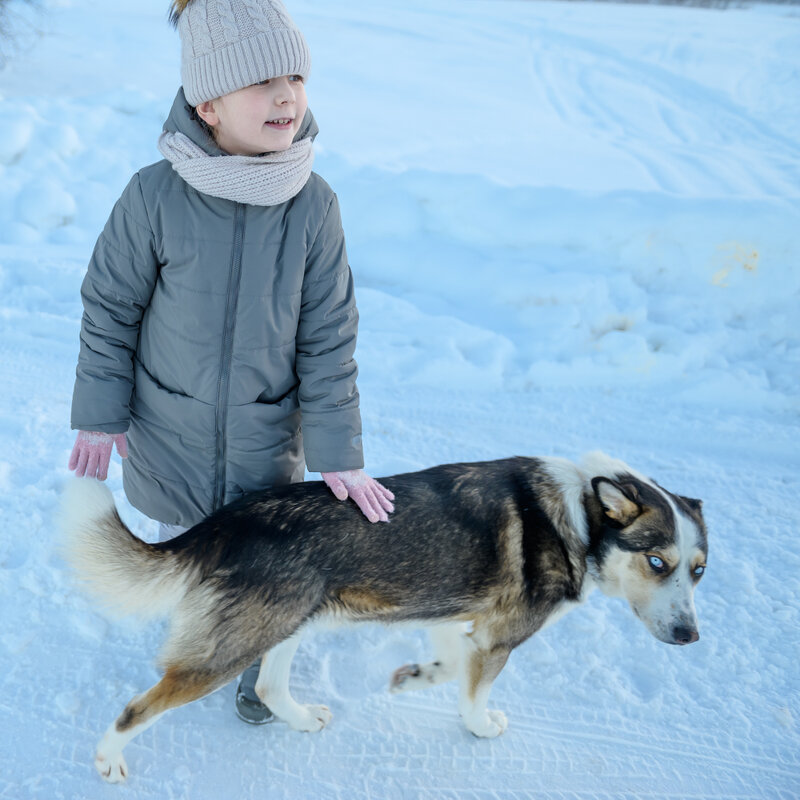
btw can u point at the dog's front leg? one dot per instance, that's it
(448, 642)
(480, 666)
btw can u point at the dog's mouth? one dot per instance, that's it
(679, 633)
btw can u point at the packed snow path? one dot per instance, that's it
(572, 226)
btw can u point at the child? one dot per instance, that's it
(218, 303)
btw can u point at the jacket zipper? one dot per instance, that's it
(226, 355)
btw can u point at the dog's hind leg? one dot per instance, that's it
(272, 688)
(448, 644)
(482, 663)
(177, 687)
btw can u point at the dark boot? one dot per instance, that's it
(248, 707)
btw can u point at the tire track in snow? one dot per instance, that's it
(589, 86)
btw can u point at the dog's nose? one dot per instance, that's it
(682, 634)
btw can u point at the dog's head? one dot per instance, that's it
(648, 546)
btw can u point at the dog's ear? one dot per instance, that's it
(694, 505)
(619, 501)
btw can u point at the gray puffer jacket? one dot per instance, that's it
(210, 328)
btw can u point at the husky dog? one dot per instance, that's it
(508, 546)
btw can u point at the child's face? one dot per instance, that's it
(262, 118)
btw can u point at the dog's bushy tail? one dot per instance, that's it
(128, 576)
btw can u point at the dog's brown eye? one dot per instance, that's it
(656, 564)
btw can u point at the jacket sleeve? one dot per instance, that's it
(325, 343)
(116, 290)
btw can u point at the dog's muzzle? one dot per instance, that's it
(683, 634)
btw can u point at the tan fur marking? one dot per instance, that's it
(484, 666)
(642, 568)
(670, 556)
(506, 592)
(638, 578)
(624, 514)
(176, 688)
(362, 601)
(615, 504)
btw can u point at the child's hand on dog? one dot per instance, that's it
(374, 500)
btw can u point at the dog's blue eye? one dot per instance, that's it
(699, 570)
(656, 563)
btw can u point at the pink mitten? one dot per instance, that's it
(92, 452)
(373, 499)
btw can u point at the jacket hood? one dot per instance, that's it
(180, 120)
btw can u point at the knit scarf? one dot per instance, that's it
(266, 180)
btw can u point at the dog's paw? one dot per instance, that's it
(405, 678)
(311, 719)
(421, 676)
(492, 724)
(112, 767)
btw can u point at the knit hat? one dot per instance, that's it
(230, 44)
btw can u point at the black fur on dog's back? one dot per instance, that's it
(443, 553)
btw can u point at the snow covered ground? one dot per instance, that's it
(573, 226)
